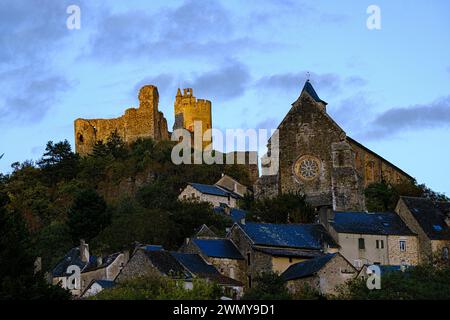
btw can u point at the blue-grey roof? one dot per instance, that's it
(213, 190)
(430, 219)
(236, 215)
(106, 284)
(195, 263)
(380, 223)
(280, 252)
(305, 236)
(310, 90)
(218, 248)
(153, 247)
(306, 268)
(167, 264)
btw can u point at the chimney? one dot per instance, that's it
(243, 221)
(99, 261)
(38, 265)
(187, 241)
(84, 251)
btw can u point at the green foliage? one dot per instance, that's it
(268, 286)
(307, 293)
(284, 208)
(382, 196)
(160, 288)
(424, 282)
(58, 162)
(18, 280)
(87, 216)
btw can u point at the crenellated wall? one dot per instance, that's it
(189, 109)
(143, 122)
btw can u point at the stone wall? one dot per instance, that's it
(139, 265)
(373, 168)
(398, 257)
(189, 109)
(143, 122)
(191, 194)
(335, 273)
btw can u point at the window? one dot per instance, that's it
(290, 259)
(445, 253)
(380, 244)
(193, 195)
(403, 245)
(249, 280)
(248, 259)
(361, 244)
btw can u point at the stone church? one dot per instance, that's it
(318, 159)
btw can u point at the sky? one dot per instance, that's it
(388, 88)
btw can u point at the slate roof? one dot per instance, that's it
(166, 264)
(383, 223)
(199, 267)
(288, 252)
(195, 263)
(153, 247)
(310, 90)
(304, 236)
(218, 248)
(235, 214)
(430, 219)
(444, 207)
(106, 284)
(73, 258)
(306, 268)
(214, 190)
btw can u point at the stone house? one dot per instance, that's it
(97, 286)
(374, 238)
(91, 268)
(323, 274)
(232, 185)
(425, 219)
(275, 247)
(221, 253)
(202, 269)
(213, 194)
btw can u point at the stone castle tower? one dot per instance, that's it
(143, 122)
(188, 110)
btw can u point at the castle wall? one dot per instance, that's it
(189, 109)
(143, 122)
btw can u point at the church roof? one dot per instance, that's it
(310, 90)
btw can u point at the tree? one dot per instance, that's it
(17, 277)
(428, 281)
(160, 288)
(88, 215)
(284, 208)
(58, 162)
(268, 286)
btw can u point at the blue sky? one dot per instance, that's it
(388, 88)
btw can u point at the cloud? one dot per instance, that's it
(33, 100)
(30, 35)
(228, 82)
(290, 81)
(416, 117)
(195, 28)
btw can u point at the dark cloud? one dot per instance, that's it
(195, 28)
(227, 82)
(33, 100)
(224, 83)
(416, 117)
(30, 35)
(292, 81)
